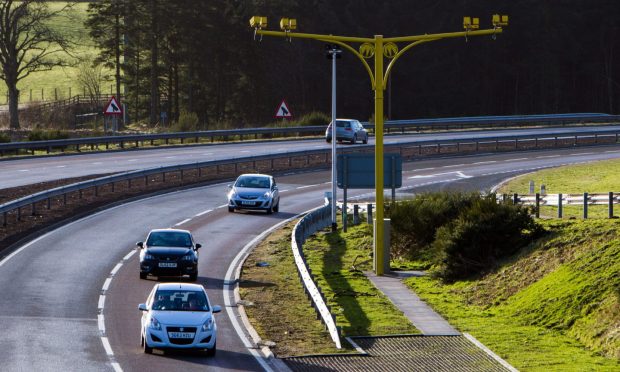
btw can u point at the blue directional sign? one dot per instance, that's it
(357, 171)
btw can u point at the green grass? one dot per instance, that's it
(59, 82)
(593, 178)
(553, 308)
(282, 312)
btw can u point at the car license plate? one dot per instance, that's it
(167, 264)
(180, 335)
(247, 202)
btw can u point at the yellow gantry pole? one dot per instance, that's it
(377, 81)
(379, 87)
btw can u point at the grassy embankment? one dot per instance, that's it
(554, 306)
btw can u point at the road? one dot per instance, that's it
(33, 170)
(70, 297)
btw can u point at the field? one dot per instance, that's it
(60, 82)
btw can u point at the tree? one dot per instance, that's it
(28, 44)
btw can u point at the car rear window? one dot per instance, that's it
(343, 124)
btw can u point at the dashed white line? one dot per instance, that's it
(203, 213)
(97, 163)
(116, 268)
(170, 157)
(128, 255)
(244, 151)
(207, 153)
(582, 153)
(101, 323)
(547, 156)
(61, 166)
(101, 302)
(611, 151)
(452, 166)
(106, 346)
(486, 162)
(132, 159)
(423, 169)
(184, 221)
(24, 170)
(106, 284)
(518, 159)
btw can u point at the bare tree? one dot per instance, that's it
(28, 44)
(90, 76)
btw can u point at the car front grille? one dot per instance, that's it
(181, 329)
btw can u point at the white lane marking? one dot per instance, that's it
(458, 174)
(132, 160)
(101, 302)
(454, 165)
(582, 153)
(303, 187)
(486, 162)
(106, 346)
(518, 159)
(610, 151)
(547, 156)
(61, 166)
(117, 367)
(184, 221)
(101, 324)
(423, 169)
(170, 157)
(97, 163)
(203, 213)
(284, 190)
(128, 255)
(207, 153)
(116, 268)
(244, 151)
(106, 284)
(24, 170)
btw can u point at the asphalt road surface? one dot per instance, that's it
(69, 298)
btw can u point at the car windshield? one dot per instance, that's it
(253, 182)
(169, 239)
(180, 300)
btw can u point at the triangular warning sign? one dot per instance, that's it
(113, 108)
(283, 111)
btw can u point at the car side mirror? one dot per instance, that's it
(142, 307)
(216, 309)
(275, 187)
(198, 245)
(140, 244)
(230, 186)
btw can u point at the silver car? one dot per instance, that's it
(254, 192)
(350, 130)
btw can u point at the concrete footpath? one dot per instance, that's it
(417, 311)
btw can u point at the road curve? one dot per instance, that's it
(52, 287)
(17, 172)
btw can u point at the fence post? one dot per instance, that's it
(611, 204)
(537, 205)
(585, 205)
(356, 214)
(559, 205)
(369, 214)
(515, 198)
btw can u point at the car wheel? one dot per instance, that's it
(193, 277)
(365, 142)
(143, 275)
(211, 351)
(147, 349)
(270, 210)
(354, 140)
(276, 208)
(328, 141)
(231, 209)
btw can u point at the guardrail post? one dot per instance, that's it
(537, 205)
(49, 203)
(559, 205)
(163, 174)
(34, 209)
(356, 214)
(369, 214)
(4, 223)
(611, 205)
(113, 188)
(96, 191)
(585, 205)
(515, 198)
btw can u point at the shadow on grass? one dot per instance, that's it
(344, 294)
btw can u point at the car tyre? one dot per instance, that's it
(211, 351)
(231, 209)
(365, 141)
(276, 208)
(147, 349)
(143, 275)
(354, 140)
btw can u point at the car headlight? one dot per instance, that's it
(232, 194)
(155, 324)
(188, 257)
(267, 195)
(149, 257)
(208, 325)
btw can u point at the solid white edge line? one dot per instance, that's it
(106, 346)
(229, 293)
(501, 361)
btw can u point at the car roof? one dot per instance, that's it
(254, 175)
(170, 230)
(181, 286)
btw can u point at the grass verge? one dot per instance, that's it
(282, 313)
